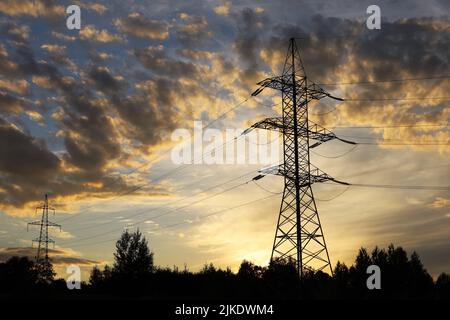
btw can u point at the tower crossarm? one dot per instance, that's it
(277, 83)
(52, 224)
(321, 135)
(314, 132)
(48, 240)
(318, 175)
(268, 124)
(315, 176)
(40, 223)
(314, 92)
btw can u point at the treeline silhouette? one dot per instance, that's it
(134, 275)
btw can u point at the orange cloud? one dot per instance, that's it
(90, 33)
(34, 8)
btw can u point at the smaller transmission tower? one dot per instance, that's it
(43, 240)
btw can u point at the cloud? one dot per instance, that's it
(146, 116)
(223, 9)
(9, 104)
(157, 60)
(107, 112)
(440, 203)
(62, 36)
(192, 31)
(361, 56)
(92, 6)
(6, 65)
(23, 161)
(248, 44)
(139, 26)
(18, 86)
(90, 33)
(34, 8)
(57, 256)
(54, 48)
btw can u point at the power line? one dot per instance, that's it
(387, 186)
(264, 189)
(389, 139)
(223, 210)
(323, 113)
(402, 144)
(137, 188)
(181, 223)
(385, 81)
(160, 207)
(395, 99)
(406, 187)
(338, 156)
(165, 213)
(226, 112)
(335, 196)
(169, 149)
(392, 126)
(154, 160)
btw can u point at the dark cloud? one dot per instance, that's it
(156, 59)
(252, 26)
(57, 257)
(6, 65)
(24, 155)
(193, 31)
(89, 134)
(149, 113)
(103, 79)
(25, 163)
(14, 32)
(10, 104)
(87, 131)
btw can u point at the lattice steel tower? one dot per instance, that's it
(43, 240)
(299, 234)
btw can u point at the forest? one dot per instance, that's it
(134, 275)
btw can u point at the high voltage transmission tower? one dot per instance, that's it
(42, 259)
(299, 234)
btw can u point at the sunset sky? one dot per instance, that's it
(87, 117)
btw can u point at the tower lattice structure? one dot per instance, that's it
(42, 258)
(299, 235)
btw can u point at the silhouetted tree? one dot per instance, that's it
(420, 283)
(45, 272)
(18, 275)
(282, 278)
(133, 257)
(96, 277)
(133, 262)
(443, 286)
(342, 280)
(249, 280)
(250, 271)
(358, 275)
